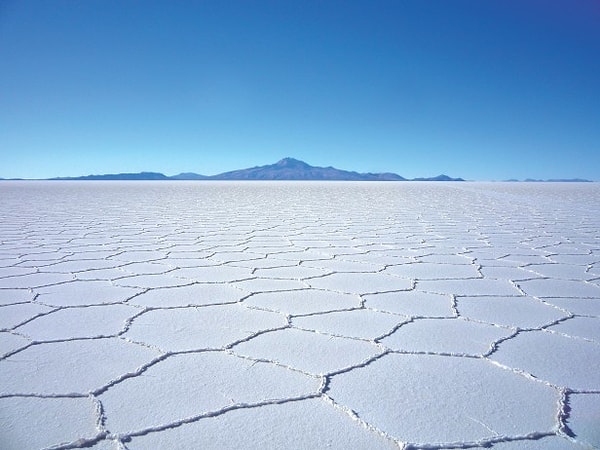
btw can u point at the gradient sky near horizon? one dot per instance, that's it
(484, 90)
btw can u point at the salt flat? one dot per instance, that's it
(145, 315)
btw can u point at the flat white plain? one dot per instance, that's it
(142, 315)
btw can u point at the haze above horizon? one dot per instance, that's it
(482, 90)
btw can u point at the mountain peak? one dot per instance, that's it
(291, 162)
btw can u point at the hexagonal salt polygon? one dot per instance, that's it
(78, 293)
(305, 301)
(557, 359)
(71, 366)
(473, 399)
(307, 351)
(30, 422)
(361, 283)
(201, 327)
(187, 385)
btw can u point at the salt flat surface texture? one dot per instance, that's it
(144, 315)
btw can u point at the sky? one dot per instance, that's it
(484, 90)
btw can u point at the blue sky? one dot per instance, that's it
(479, 89)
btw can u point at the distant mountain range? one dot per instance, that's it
(119, 176)
(554, 180)
(286, 169)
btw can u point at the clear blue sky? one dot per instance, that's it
(484, 90)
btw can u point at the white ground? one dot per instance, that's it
(146, 315)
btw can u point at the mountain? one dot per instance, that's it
(560, 180)
(441, 177)
(286, 169)
(552, 180)
(293, 169)
(188, 176)
(119, 176)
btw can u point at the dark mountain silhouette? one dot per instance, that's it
(189, 176)
(549, 180)
(119, 176)
(559, 180)
(286, 169)
(293, 169)
(441, 177)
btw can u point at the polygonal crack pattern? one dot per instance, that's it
(266, 315)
